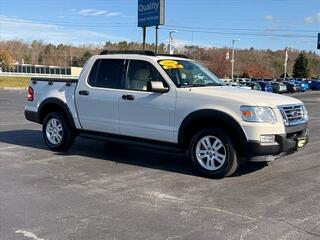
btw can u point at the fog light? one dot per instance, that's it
(267, 138)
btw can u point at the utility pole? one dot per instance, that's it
(70, 57)
(170, 41)
(144, 33)
(232, 59)
(157, 33)
(285, 63)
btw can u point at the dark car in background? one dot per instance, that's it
(292, 87)
(279, 87)
(314, 84)
(304, 86)
(253, 85)
(265, 86)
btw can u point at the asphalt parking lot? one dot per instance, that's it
(105, 191)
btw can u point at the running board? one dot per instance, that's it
(153, 144)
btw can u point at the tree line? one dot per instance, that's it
(249, 62)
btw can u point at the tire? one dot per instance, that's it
(222, 154)
(56, 126)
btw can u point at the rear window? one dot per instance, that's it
(106, 73)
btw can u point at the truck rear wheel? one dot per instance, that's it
(57, 133)
(213, 154)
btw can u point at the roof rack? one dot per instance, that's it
(173, 55)
(140, 52)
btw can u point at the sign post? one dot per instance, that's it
(150, 13)
(318, 41)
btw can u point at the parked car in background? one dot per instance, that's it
(253, 85)
(265, 86)
(304, 86)
(292, 87)
(235, 84)
(242, 80)
(279, 87)
(314, 84)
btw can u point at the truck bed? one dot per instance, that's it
(48, 88)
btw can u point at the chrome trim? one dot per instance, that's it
(293, 114)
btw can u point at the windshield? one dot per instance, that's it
(189, 74)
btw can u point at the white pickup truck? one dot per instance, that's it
(170, 102)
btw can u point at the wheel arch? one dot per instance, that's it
(55, 105)
(208, 117)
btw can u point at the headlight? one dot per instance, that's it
(258, 114)
(305, 113)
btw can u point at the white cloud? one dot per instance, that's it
(269, 18)
(313, 19)
(113, 14)
(95, 12)
(14, 28)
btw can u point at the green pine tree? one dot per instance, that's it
(301, 67)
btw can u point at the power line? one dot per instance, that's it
(207, 30)
(240, 33)
(241, 29)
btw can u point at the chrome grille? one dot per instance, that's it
(292, 114)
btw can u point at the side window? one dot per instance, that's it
(139, 73)
(106, 73)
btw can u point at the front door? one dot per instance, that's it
(142, 113)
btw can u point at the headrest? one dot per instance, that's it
(142, 74)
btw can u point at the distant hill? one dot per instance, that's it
(249, 62)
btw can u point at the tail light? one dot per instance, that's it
(30, 94)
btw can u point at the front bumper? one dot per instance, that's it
(285, 144)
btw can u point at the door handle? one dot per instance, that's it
(128, 97)
(84, 92)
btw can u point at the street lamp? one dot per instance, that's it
(170, 41)
(232, 60)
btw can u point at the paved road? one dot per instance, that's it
(101, 191)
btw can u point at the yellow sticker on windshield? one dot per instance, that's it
(170, 64)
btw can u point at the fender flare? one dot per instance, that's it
(61, 105)
(214, 114)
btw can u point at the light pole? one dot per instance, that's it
(170, 41)
(286, 62)
(232, 59)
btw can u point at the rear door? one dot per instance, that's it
(142, 113)
(97, 98)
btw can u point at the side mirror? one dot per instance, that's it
(156, 86)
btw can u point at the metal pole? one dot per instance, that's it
(144, 38)
(157, 32)
(285, 71)
(170, 41)
(232, 60)
(70, 57)
(285, 64)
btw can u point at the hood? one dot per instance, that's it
(250, 97)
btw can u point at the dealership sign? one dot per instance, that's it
(150, 13)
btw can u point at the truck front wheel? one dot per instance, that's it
(212, 153)
(57, 133)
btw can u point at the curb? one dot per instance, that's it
(13, 88)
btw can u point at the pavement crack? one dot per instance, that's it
(303, 230)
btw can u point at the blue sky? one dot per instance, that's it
(261, 24)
